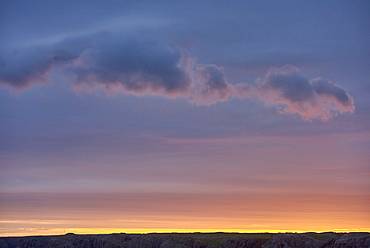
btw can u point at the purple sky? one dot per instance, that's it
(148, 102)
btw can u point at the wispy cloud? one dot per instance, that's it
(138, 65)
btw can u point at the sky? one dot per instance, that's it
(183, 116)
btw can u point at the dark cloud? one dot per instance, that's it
(138, 65)
(326, 88)
(289, 82)
(291, 92)
(132, 65)
(211, 85)
(120, 64)
(20, 68)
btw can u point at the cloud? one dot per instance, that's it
(132, 65)
(21, 68)
(211, 85)
(293, 93)
(136, 65)
(139, 65)
(119, 64)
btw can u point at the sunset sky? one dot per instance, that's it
(183, 116)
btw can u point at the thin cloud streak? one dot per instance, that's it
(141, 66)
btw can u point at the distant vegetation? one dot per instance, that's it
(192, 240)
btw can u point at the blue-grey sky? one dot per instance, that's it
(184, 98)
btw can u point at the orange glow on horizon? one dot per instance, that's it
(172, 225)
(81, 231)
(183, 213)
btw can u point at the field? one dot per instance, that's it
(192, 240)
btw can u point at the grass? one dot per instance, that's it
(211, 239)
(216, 239)
(322, 236)
(220, 238)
